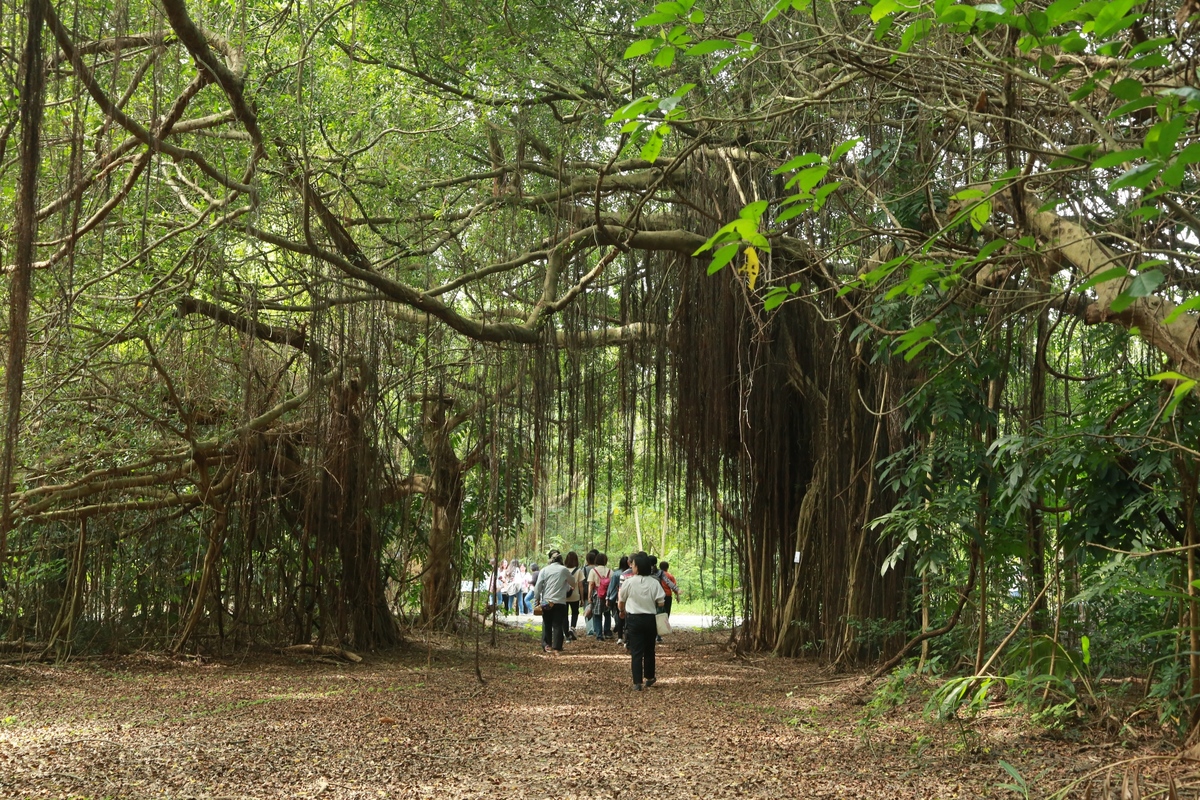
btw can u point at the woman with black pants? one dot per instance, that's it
(575, 591)
(638, 599)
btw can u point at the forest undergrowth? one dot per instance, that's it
(415, 722)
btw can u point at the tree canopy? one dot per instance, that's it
(316, 307)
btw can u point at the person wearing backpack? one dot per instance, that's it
(669, 584)
(589, 616)
(614, 587)
(638, 600)
(598, 583)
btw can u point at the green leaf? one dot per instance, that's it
(1011, 770)
(1085, 644)
(668, 104)
(1086, 88)
(1189, 154)
(775, 298)
(753, 211)
(912, 338)
(807, 178)
(1188, 94)
(722, 257)
(1138, 177)
(843, 148)
(958, 15)
(664, 58)
(1039, 23)
(794, 211)
(1127, 89)
(1161, 138)
(986, 251)
(821, 194)
(1107, 275)
(1190, 304)
(1141, 286)
(1169, 375)
(1132, 106)
(1182, 390)
(1145, 283)
(1118, 158)
(882, 8)
(658, 18)
(1112, 17)
(1150, 61)
(799, 161)
(653, 147)
(640, 48)
(1150, 44)
(634, 109)
(1073, 43)
(777, 9)
(980, 214)
(709, 46)
(914, 33)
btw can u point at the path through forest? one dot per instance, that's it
(416, 723)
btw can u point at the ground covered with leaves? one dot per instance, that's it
(418, 723)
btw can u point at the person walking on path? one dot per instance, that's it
(575, 593)
(614, 587)
(589, 611)
(550, 592)
(670, 586)
(527, 588)
(517, 587)
(509, 569)
(638, 599)
(598, 593)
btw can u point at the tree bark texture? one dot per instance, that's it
(32, 91)
(444, 496)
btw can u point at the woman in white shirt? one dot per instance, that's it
(506, 584)
(638, 599)
(518, 588)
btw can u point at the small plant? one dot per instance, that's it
(1019, 785)
(1054, 717)
(919, 745)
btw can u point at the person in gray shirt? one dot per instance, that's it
(550, 592)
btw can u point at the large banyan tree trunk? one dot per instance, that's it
(783, 418)
(340, 511)
(444, 498)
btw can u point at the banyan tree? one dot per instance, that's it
(326, 300)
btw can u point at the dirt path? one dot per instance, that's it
(417, 724)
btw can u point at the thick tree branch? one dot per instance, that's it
(290, 337)
(124, 120)
(230, 83)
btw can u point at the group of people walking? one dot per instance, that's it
(622, 603)
(512, 585)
